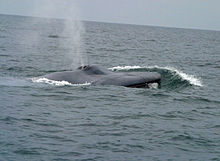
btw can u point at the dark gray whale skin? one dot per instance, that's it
(97, 75)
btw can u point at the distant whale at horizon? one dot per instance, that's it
(97, 75)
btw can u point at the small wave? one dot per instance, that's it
(190, 78)
(53, 36)
(56, 83)
(152, 40)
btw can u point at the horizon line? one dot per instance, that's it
(120, 23)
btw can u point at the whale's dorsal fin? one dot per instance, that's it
(94, 69)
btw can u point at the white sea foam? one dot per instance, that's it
(193, 80)
(153, 85)
(118, 68)
(57, 83)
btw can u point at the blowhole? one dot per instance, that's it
(84, 67)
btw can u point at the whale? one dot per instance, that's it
(97, 75)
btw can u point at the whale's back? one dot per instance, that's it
(101, 76)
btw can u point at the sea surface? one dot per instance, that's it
(46, 120)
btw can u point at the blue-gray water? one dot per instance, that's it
(41, 121)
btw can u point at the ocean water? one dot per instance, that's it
(46, 120)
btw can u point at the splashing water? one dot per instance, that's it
(56, 83)
(193, 80)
